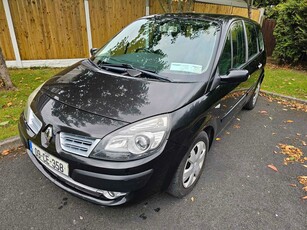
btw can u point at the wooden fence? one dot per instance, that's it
(58, 29)
(199, 7)
(269, 39)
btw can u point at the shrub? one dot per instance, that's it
(291, 32)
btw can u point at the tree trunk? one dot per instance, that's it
(4, 74)
(249, 7)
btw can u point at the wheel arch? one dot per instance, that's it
(210, 132)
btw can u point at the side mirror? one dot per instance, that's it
(93, 51)
(235, 76)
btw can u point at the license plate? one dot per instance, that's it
(49, 160)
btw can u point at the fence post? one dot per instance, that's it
(12, 32)
(88, 26)
(261, 16)
(147, 8)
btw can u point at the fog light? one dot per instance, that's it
(112, 195)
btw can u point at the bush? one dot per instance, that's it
(291, 32)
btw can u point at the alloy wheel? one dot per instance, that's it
(256, 94)
(194, 164)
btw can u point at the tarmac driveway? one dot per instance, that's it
(236, 191)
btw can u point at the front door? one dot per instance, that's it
(233, 57)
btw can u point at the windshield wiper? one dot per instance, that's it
(126, 67)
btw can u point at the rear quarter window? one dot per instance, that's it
(260, 40)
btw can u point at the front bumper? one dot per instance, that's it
(88, 178)
(76, 188)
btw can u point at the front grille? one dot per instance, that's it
(79, 145)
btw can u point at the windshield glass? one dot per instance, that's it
(167, 46)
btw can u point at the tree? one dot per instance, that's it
(265, 3)
(269, 7)
(5, 80)
(249, 7)
(173, 6)
(291, 32)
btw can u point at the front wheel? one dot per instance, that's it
(190, 167)
(253, 100)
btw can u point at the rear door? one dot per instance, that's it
(254, 64)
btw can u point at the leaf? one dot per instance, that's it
(293, 153)
(9, 104)
(273, 168)
(263, 112)
(293, 185)
(289, 121)
(218, 139)
(4, 123)
(5, 152)
(192, 199)
(304, 197)
(304, 143)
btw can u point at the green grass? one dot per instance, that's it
(13, 102)
(285, 81)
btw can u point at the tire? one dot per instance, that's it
(182, 185)
(253, 100)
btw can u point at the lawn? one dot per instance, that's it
(13, 102)
(279, 80)
(285, 81)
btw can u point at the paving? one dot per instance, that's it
(236, 191)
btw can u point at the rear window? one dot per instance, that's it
(238, 44)
(252, 41)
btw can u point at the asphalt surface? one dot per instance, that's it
(236, 191)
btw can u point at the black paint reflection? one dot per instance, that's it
(156, 43)
(68, 119)
(98, 94)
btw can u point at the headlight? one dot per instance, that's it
(134, 141)
(33, 122)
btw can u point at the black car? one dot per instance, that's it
(140, 115)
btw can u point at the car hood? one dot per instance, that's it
(118, 97)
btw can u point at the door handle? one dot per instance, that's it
(260, 65)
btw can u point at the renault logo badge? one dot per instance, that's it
(47, 136)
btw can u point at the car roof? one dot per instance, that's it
(219, 18)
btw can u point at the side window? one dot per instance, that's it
(234, 50)
(238, 43)
(225, 60)
(251, 35)
(261, 42)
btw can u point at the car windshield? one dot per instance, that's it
(172, 47)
